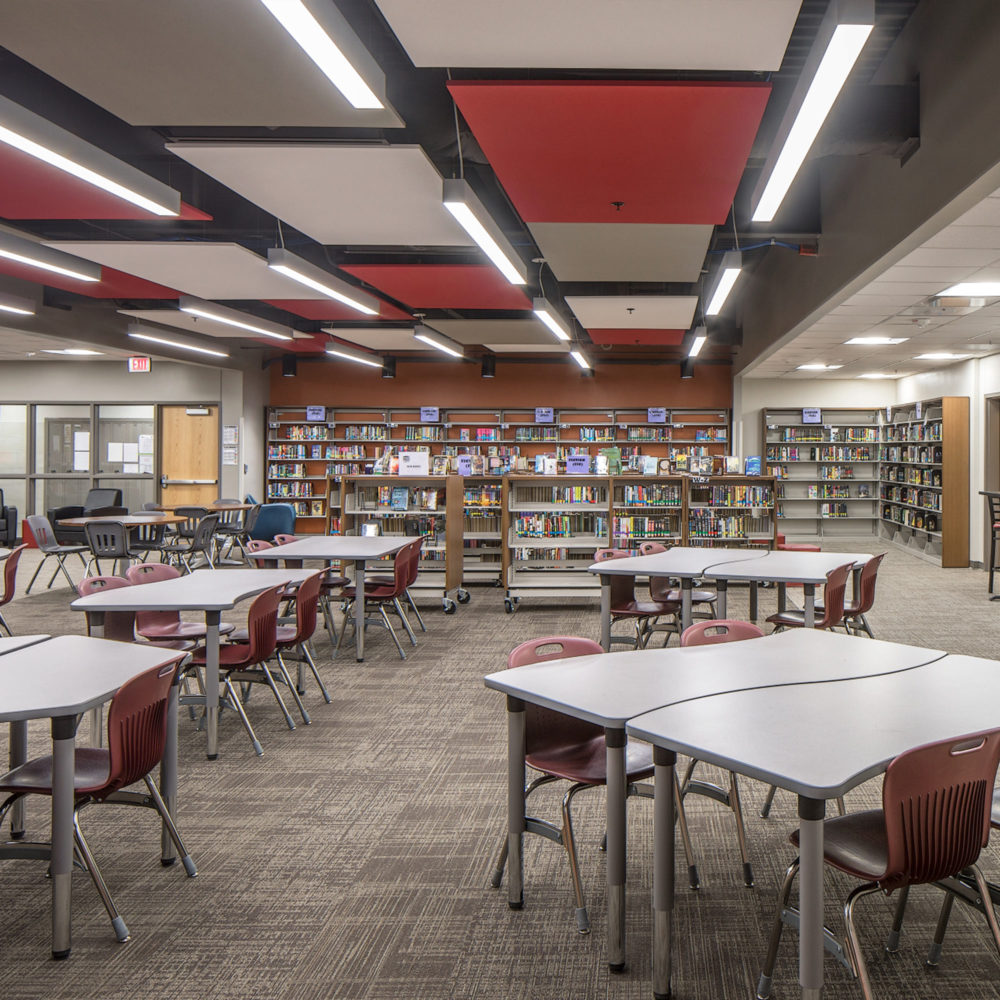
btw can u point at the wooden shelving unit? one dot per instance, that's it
(827, 472)
(924, 479)
(737, 511)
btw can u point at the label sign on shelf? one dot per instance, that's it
(812, 415)
(544, 415)
(919, 409)
(656, 414)
(430, 414)
(139, 365)
(414, 463)
(316, 413)
(577, 465)
(465, 465)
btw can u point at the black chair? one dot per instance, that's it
(95, 500)
(107, 540)
(45, 539)
(146, 538)
(993, 506)
(8, 522)
(184, 550)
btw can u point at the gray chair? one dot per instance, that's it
(184, 550)
(45, 539)
(107, 540)
(147, 538)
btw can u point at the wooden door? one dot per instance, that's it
(189, 449)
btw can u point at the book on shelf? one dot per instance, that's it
(751, 465)
(440, 465)
(399, 498)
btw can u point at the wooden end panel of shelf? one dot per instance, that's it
(454, 531)
(505, 531)
(955, 480)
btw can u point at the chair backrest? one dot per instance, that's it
(937, 800)
(545, 729)
(151, 573)
(137, 727)
(102, 496)
(255, 545)
(869, 576)
(111, 511)
(203, 533)
(41, 531)
(118, 625)
(306, 603)
(833, 596)
(10, 574)
(250, 518)
(151, 505)
(414, 556)
(719, 630)
(401, 570)
(284, 539)
(622, 587)
(148, 534)
(107, 539)
(262, 625)
(274, 519)
(993, 503)
(651, 548)
(192, 516)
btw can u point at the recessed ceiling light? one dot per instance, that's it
(941, 356)
(975, 289)
(818, 368)
(74, 351)
(879, 375)
(877, 341)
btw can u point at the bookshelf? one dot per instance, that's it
(827, 472)
(735, 511)
(650, 509)
(924, 479)
(482, 529)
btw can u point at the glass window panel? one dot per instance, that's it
(135, 492)
(13, 438)
(14, 493)
(62, 439)
(52, 493)
(125, 439)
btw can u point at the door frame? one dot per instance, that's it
(158, 448)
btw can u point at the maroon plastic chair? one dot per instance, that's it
(256, 545)
(137, 734)
(625, 607)
(381, 596)
(293, 640)
(568, 749)
(660, 588)
(155, 625)
(10, 582)
(413, 554)
(703, 634)
(855, 610)
(832, 604)
(330, 587)
(247, 661)
(933, 824)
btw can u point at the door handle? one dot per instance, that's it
(187, 482)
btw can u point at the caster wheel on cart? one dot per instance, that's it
(463, 597)
(450, 607)
(508, 605)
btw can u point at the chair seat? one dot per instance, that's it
(91, 770)
(792, 618)
(644, 609)
(231, 656)
(995, 817)
(50, 550)
(798, 547)
(697, 596)
(380, 593)
(856, 844)
(850, 608)
(285, 634)
(182, 630)
(587, 762)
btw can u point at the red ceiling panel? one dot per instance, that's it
(327, 309)
(661, 338)
(113, 284)
(443, 286)
(31, 189)
(670, 152)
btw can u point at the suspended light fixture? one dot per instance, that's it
(140, 333)
(547, 313)
(353, 354)
(698, 341)
(294, 267)
(438, 341)
(232, 317)
(732, 264)
(32, 254)
(580, 358)
(16, 304)
(471, 215)
(489, 369)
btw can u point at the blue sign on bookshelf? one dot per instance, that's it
(316, 413)
(464, 465)
(544, 415)
(430, 414)
(577, 465)
(656, 414)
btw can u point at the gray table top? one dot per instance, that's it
(70, 674)
(10, 644)
(787, 567)
(821, 740)
(202, 590)
(680, 561)
(611, 688)
(337, 547)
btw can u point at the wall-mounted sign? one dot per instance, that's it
(656, 414)
(140, 365)
(430, 414)
(544, 415)
(577, 465)
(316, 413)
(812, 415)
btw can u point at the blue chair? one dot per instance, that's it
(274, 519)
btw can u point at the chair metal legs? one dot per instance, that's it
(413, 606)
(60, 558)
(4, 625)
(285, 676)
(767, 971)
(349, 618)
(765, 809)
(83, 849)
(237, 704)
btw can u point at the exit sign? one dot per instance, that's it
(138, 365)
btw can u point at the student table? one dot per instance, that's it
(818, 740)
(59, 679)
(205, 590)
(358, 549)
(611, 688)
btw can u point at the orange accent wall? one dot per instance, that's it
(542, 383)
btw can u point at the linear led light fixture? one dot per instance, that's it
(941, 356)
(839, 41)
(76, 352)
(974, 290)
(288, 264)
(876, 341)
(470, 214)
(879, 375)
(438, 340)
(546, 312)
(352, 354)
(232, 317)
(38, 137)
(580, 358)
(700, 337)
(24, 251)
(732, 264)
(315, 35)
(818, 368)
(16, 304)
(139, 333)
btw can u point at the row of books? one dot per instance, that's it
(825, 453)
(705, 524)
(645, 527)
(559, 525)
(922, 455)
(821, 435)
(914, 477)
(928, 499)
(913, 432)
(733, 496)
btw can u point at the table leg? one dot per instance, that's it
(809, 606)
(61, 864)
(753, 600)
(212, 683)
(96, 715)
(515, 803)
(856, 582)
(811, 812)
(664, 762)
(606, 613)
(686, 585)
(721, 588)
(782, 596)
(18, 755)
(168, 773)
(616, 860)
(359, 609)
